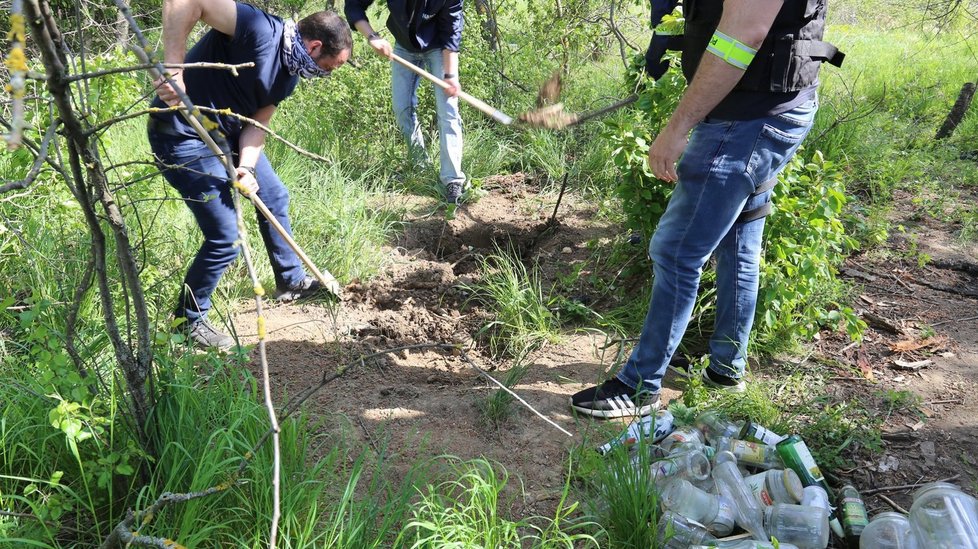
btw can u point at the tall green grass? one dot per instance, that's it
(521, 319)
(465, 511)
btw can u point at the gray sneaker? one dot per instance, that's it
(206, 336)
(453, 192)
(306, 288)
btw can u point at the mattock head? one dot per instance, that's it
(550, 90)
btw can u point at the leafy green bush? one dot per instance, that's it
(805, 242)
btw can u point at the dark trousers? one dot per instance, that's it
(200, 178)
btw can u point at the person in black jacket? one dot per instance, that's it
(426, 33)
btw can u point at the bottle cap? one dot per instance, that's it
(792, 485)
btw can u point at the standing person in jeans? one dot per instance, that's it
(749, 106)
(282, 51)
(427, 33)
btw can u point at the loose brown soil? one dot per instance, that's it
(425, 402)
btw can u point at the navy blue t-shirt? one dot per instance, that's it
(258, 39)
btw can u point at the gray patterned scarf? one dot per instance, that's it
(297, 61)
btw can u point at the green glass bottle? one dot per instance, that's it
(852, 512)
(797, 457)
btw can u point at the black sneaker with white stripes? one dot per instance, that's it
(614, 399)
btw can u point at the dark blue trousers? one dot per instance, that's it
(200, 178)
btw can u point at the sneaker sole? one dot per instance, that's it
(610, 414)
(740, 387)
(681, 372)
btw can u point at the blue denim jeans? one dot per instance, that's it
(722, 166)
(200, 178)
(404, 89)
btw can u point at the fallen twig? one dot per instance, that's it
(911, 366)
(893, 504)
(366, 433)
(967, 292)
(126, 533)
(878, 322)
(897, 488)
(965, 319)
(466, 358)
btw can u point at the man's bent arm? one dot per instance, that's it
(748, 21)
(252, 139)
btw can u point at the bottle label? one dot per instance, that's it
(766, 436)
(758, 486)
(853, 513)
(663, 469)
(747, 452)
(801, 460)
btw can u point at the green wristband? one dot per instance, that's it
(731, 50)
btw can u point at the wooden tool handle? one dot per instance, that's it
(489, 110)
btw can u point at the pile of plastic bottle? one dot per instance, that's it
(739, 485)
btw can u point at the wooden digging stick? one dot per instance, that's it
(489, 110)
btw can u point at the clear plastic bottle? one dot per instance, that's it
(797, 524)
(888, 531)
(751, 454)
(677, 532)
(715, 511)
(692, 466)
(683, 447)
(731, 484)
(751, 544)
(775, 486)
(944, 517)
(815, 496)
(652, 428)
(714, 426)
(679, 436)
(797, 457)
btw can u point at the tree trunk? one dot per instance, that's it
(957, 112)
(90, 187)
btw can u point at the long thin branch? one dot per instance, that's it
(135, 68)
(902, 487)
(502, 386)
(331, 375)
(126, 533)
(36, 149)
(223, 112)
